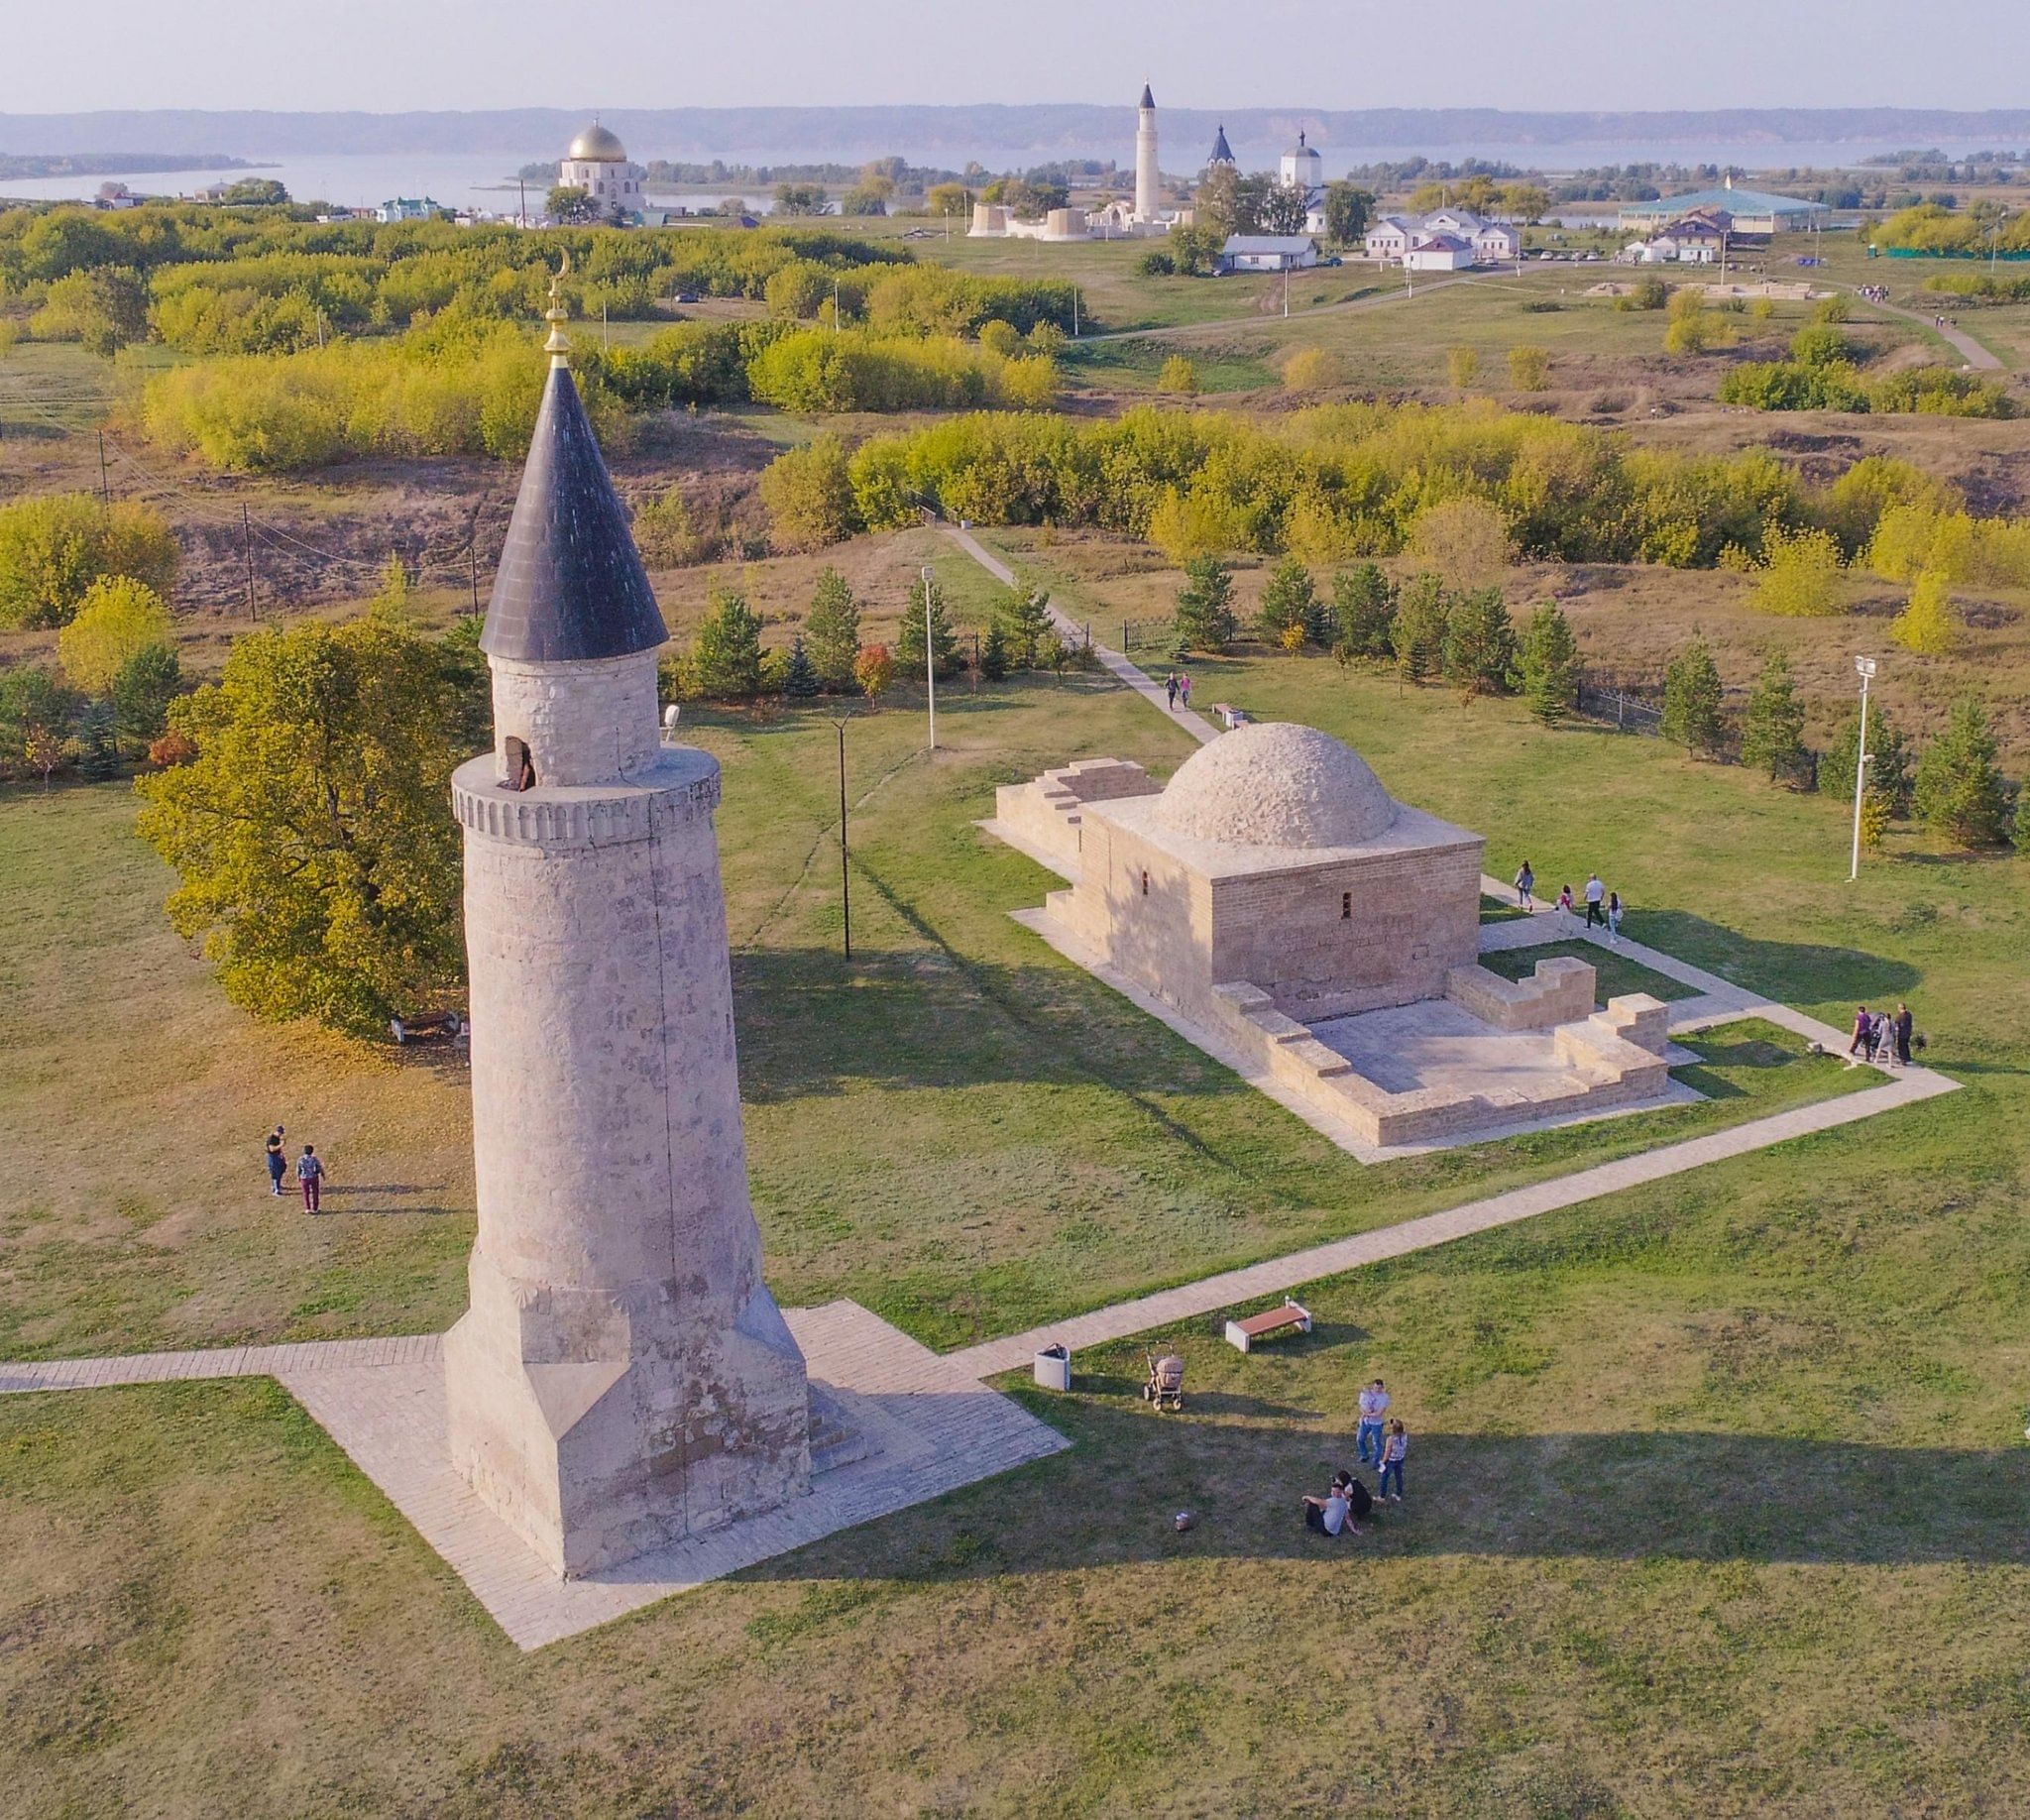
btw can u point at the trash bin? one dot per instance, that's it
(1053, 1368)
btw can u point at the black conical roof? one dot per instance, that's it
(1222, 152)
(1148, 100)
(570, 584)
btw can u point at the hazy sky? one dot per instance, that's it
(398, 55)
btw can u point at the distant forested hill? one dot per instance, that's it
(952, 135)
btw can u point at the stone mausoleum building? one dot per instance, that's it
(1301, 922)
(597, 163)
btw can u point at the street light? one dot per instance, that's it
(1865, 668)
(845, 878)
(930, 658)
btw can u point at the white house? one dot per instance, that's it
(1489, 243)
(409, 208)
(1268, 253)
(1439, 253)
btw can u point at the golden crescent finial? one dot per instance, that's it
(558, 348)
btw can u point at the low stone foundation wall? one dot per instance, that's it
(1605, 1070)
(1559, 991)
(1044, 812)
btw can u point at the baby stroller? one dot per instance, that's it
(1165, 1386)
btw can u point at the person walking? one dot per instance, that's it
(310, 1176)
(1170, 688)
(1862, 1023)
(1374, 1406)
(277, 1161)
(1185, 689)
(1563, 910)
(1526, 882)
(1879, 1037)
(1903, 1026)
(1595, 891)
(1393, 1452)
(1613, 919)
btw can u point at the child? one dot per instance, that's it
(1393, 1450)
(1526, 882)
(311, 1173)
(1613, 919)
(1565, 904)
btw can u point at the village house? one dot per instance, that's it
(1268, 253)
(1447, 240)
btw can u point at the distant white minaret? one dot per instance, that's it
(1148, 174)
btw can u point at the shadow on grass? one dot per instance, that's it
(1792, 973)
(1631, 1497)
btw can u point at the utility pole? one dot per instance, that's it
(471, 554)
(930, 658)
(605, 341)
(105, 484)
(247, 541)
(1285, 294)
(1865, 668)
(835, 300)
(1075, 312)
(845, 875)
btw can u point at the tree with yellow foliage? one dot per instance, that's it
(1927, 623)
(118, 618)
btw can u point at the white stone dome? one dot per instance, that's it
(597, 146)
(1274, 783)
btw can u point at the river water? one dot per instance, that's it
(486, 180)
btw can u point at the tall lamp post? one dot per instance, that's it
(930, 658)
(1865, 668)
(844, 878)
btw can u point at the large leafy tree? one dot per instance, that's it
(53, 548)
(312, 838)
(117, 617)
(1346, 213)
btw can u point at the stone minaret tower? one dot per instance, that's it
(1148, 174)
(623, 1377)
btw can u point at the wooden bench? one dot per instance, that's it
(429, 1023)
(1292, 1316)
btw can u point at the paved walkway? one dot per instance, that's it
(1150, 690)
(1971, 350)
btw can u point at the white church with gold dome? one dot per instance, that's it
(598, 164)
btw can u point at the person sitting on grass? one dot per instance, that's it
(1332, 1514)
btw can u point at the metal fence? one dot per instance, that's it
(1627, 712)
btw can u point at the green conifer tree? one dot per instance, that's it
(1772, 726)
(1287, 600)
(909, 639)
(1959, 792)
(1363, 603)
(833, 630)
(1205, 616)
(993, 653)
(800, 678)
(1022, 616)
(1888, 761)
(1480, 643)
(1417, 634)
(726, 654)
(1694, 703)
(97, 742)
(1549, 663)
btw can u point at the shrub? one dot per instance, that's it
(1312, 369)
(1179, 377)
(1927, 624)
(1800, 574)
(1821, 345)
(999, 337)
(1462, 365)
(1463, 539)
(1529, 369)
(55, 549)
(1644, 294)
(873, 669)
(1960, 793)
(117, 617)
(170, 749)
(1185, 526)
(808, 494)
(666, 534)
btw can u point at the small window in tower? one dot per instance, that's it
(520, 764)
(1145, 883)
(1346, 906)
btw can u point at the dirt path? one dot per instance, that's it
(1976, 355)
